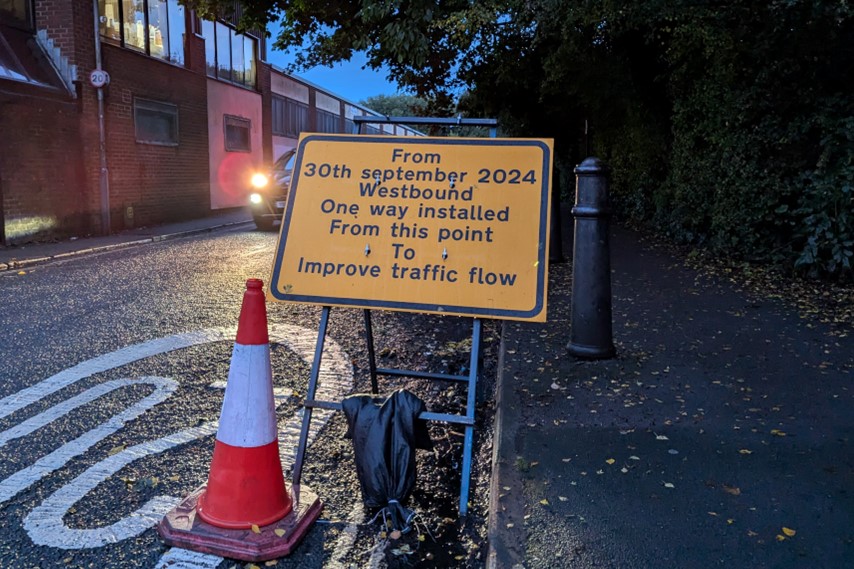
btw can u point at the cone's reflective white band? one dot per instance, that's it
(248, 416)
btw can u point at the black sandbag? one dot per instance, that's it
(385, 435)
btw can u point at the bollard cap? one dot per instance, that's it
(591, 166)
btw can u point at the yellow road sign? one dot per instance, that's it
(445, 225)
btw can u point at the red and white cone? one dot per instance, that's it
(245, 511)
(246, 486)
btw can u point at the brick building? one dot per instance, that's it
(190, 111)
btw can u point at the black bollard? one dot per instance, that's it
(590, 333)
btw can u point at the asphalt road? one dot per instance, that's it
(112, 374)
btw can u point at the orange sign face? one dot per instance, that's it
(445, 225)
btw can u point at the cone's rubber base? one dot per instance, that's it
(181, 527)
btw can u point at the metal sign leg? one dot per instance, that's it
(372, 360)
(309, 396)
(471, 401)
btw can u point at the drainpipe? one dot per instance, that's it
(103, 179)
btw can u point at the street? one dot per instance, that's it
(113, 376)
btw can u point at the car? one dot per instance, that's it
(269, 193)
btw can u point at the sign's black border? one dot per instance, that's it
(417, 306)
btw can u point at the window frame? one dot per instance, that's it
(324, 117)
(153, 106)
(167, 32)
(224, 64)
(289, 109)
(28, 23)
(235, 121)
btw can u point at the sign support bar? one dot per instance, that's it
(466, 420)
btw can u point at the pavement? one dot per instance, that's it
(719, 435)
(23, 256)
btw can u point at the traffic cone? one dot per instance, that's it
(245, 511)
(246, 486)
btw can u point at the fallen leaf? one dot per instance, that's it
(661, 438)
(395, 534)
(713, 513)
(730, 521)
(421, 536)
(279, 532)
(22, 272)
(562, 498)
(669, 485)
(778, 433)
(510, 525)
(175, 478)
(565, 459)
(544, 502)
(633, 457)
(252, 566)
(116, 450)
(752, 533)
(789, 532)
(781, 537)
(256, 529)
(624, 470)
(271, 563)
(745, 451)
(610, 461)
(732, 490)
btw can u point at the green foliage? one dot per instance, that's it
(824, 217)
(396, 105)
(727, 125)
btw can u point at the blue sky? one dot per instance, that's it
(347, 79)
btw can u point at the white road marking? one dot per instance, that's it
(45, 523)
(347, 538)
(26, 477)
(30, 395)
(177, 558)
(62, 409)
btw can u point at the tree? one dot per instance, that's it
(396, 105)
(727, 124)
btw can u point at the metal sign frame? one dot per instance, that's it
(467, 420)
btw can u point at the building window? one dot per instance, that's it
(17, 12)
(154, 27)
(210, 47)
(228, 55)
(238, 134)
(155, 122)
(290, 117)
(326, 121)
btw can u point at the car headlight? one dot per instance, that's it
(255, 198)
(259, 180)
